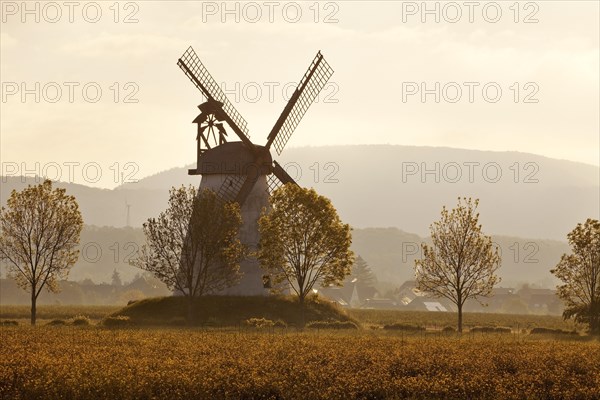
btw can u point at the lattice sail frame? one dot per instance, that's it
(193, 68)
(309, 87)
(231, 187)
(273, 183)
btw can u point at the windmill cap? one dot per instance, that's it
(234, 158)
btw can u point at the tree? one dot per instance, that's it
(362, 272)
(39, 233)
(303, 241)
(580, 272)
(462, 261)
(116, 278)
(192, 246)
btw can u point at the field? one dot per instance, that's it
(93, 362)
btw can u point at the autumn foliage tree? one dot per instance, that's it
(303, 242)
(39, 234)
(462, 262)
(580, 272)
(193, 246)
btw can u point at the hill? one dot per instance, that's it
(524, 195)
(100, 207)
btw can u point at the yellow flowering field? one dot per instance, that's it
(98, 363)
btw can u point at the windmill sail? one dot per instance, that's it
(279, 178)
(191, 65)
(281, 174)
(309, 87)
(231, 187)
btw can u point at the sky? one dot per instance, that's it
(91, 92)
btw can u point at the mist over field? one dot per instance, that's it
(390, 253)
(389, 194)
(522, 195)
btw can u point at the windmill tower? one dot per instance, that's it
(242, 171)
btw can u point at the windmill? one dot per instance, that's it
(242, 171)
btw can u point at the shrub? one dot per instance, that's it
(403, 327)
(117, 321)
(482, 329)
(331, 325)
(259, 323)
(549, 331)
(9, 322)
(57, 322)
(280, 324)
(490, 329)
(80, 320)
(449, 329)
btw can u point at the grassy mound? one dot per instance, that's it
(222, 311)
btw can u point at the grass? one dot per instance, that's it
(166, 363)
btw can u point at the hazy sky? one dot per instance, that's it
(383, 54)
